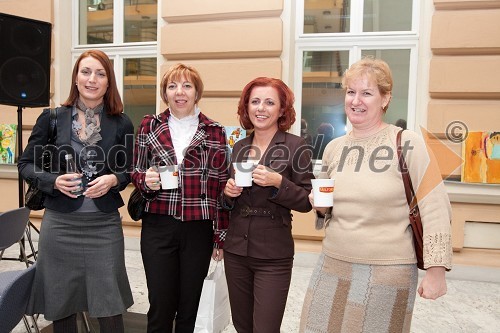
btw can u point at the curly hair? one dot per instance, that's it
(286, 97)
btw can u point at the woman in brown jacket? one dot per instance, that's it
(259, 247)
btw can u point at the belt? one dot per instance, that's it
(256, 211)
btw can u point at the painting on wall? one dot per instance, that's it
(481, 154)
(7, 143)
(233, 135)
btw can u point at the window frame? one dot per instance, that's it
(118, 29)
(355, 42)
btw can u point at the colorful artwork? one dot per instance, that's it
(233, 135)
(7, 143)
(481, 154)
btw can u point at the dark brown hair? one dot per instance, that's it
(112, 100)
(286, 97)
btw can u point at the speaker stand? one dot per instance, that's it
(20, 152)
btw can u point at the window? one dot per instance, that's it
(334, 16)
(333, 34)
(117, 21)
(127, 31)
(139, 88)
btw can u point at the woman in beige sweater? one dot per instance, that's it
(366, 277)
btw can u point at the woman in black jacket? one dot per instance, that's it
(81, 265)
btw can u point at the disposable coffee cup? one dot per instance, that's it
(323, 192)
(243, 173)
(169, 176)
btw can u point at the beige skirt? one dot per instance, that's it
(347, 297)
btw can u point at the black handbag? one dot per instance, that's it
(137, 204)
(34, 197)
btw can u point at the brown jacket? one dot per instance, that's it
(260, 224)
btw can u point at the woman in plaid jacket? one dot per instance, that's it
(182, 228)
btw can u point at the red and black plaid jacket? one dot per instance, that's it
(203, 172)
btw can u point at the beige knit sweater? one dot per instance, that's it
(369, 221)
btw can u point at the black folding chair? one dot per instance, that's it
(13, 225)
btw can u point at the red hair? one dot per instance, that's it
(286, 97)
(112, 100)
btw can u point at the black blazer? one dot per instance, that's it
(117, 146)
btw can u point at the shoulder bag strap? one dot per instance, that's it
(52, 127)
(410, 193)
(51, 141)
(414, 214)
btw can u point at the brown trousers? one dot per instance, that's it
(258, 290)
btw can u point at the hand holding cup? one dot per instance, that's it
(231, 190)
(152, 179)
(265, 176)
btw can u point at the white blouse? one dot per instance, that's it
(182, 132)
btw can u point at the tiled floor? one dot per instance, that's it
(471, 305)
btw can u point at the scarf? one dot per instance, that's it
(91, 135)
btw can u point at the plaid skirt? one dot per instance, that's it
(347, 297)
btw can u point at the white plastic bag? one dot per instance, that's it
(214, 310)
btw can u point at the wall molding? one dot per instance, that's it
(465, 4)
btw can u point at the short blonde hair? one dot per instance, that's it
(376, 69)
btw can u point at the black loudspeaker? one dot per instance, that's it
(24, 61)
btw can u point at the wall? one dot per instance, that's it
(229, 42)
(464, 86)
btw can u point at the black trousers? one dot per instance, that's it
(176, 257)
(258, 290)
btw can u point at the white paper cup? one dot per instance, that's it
(243, 173)
(169, 176)
(323, 192)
